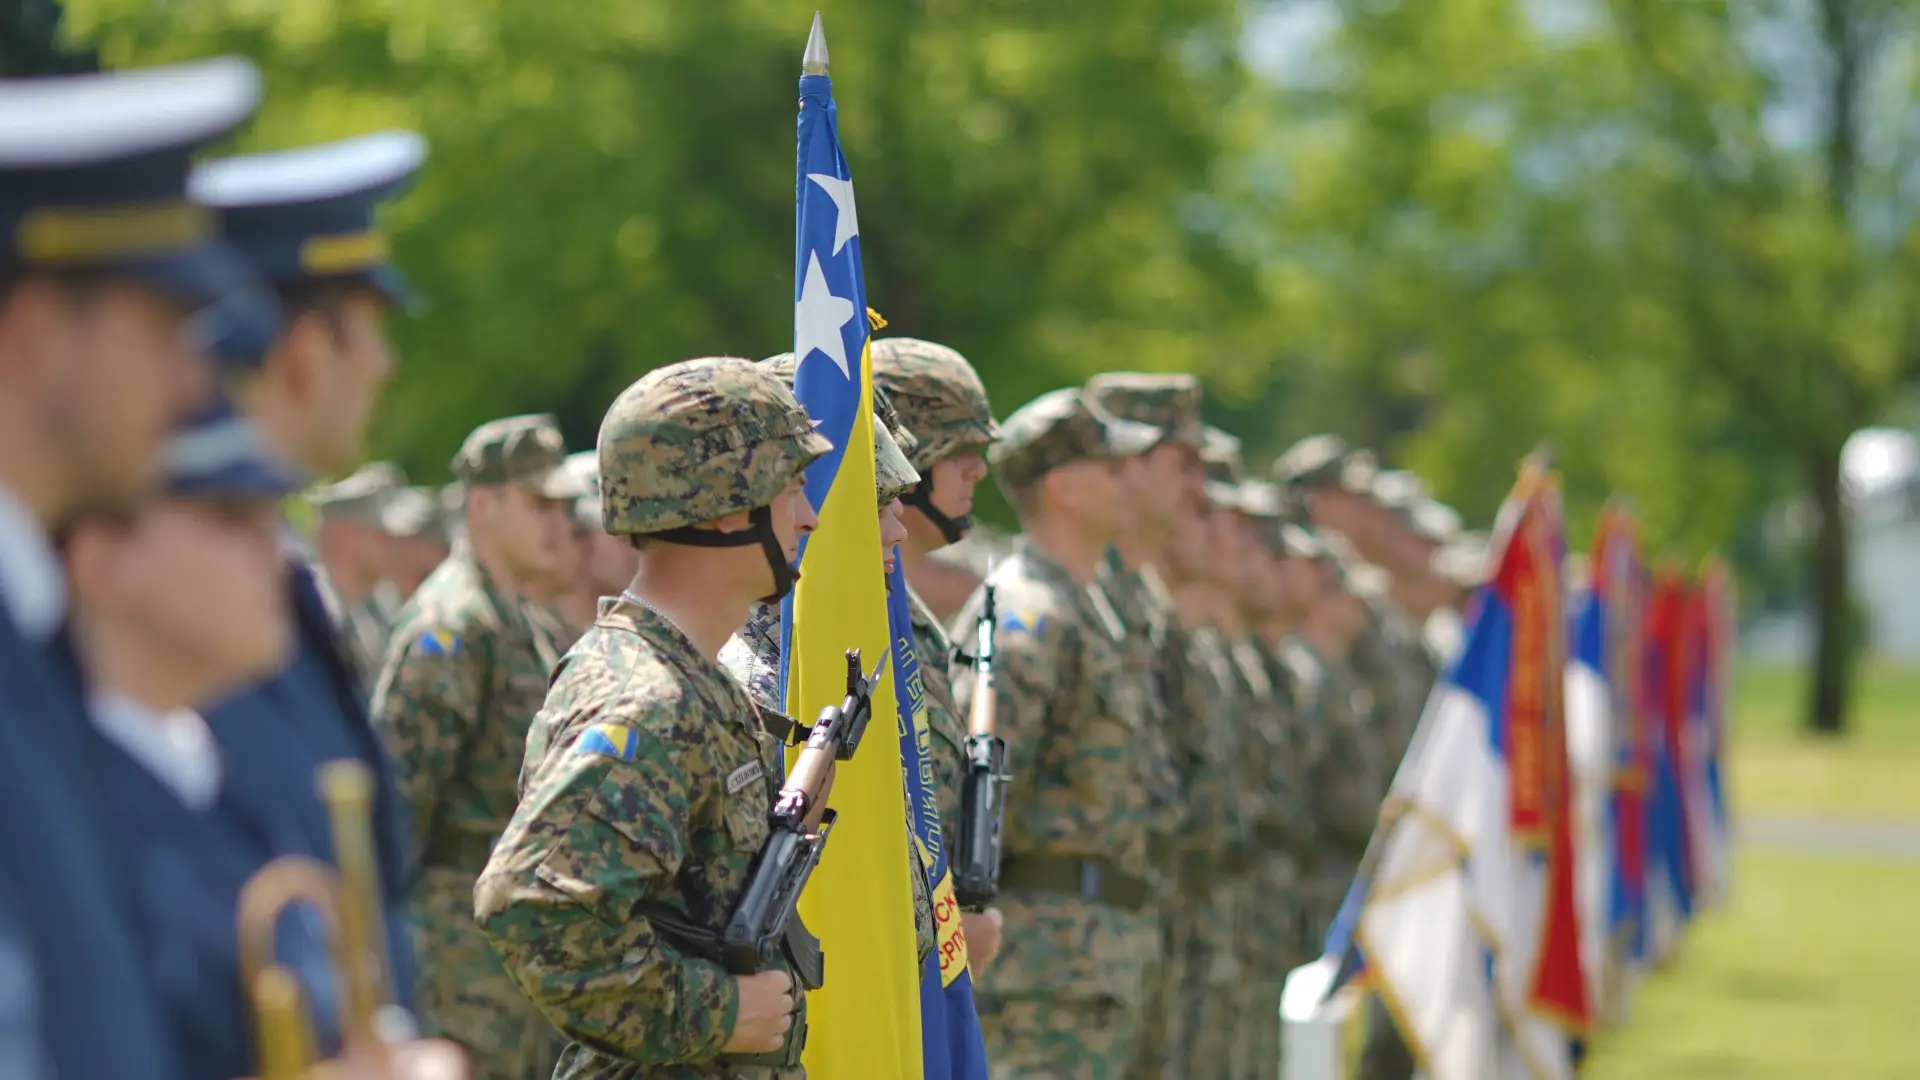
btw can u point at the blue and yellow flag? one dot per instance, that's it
(865, 1023)
(950, 1037)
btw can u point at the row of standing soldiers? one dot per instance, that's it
(1205, 682)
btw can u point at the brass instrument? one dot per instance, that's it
(349, 904)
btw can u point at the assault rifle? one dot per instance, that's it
(800, 824)
(983, 793)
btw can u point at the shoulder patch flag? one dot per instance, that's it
(607, 740)
(1023, 622)
(438, 643)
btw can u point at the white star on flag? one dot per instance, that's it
(818, 317)
(846, 224)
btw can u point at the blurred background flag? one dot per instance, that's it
(950, 1039)
(1619, 597)
(1590, 736)
(866, 1021)
(1669, 872)
(1471, 913)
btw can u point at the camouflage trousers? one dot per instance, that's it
(1052, 1039)
(465, 995)
(1269, 942)
(1065, 997)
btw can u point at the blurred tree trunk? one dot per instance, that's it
(1835, 644)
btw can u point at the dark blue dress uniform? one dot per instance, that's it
(92, 180)
(188, 860)
(306, 217)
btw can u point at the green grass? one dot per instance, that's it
(1811, 969)
(1872, 774)
(1809, 973)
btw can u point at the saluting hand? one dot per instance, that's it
(766, 1012)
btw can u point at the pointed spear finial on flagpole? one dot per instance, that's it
(814, 60)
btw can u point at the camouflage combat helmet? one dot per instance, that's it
(939, 396)
(698, 440)
(893, 474)
(1168, 403)
(944, 405)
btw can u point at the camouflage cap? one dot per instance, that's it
(1357, 472)
(698, 440)
(939, 396)
(361, 497)
(584, 468)
(1434, 522)
(1058, 428)
(1270, 509)
(1223, 496)
(1313, 463)
(1397, 490)
(524, 450)
(892, 443)
(1168, 403)
(1221, 457)
(1463, 560)
(414, 512)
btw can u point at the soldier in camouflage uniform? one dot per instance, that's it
(1205, 569)
(753, 655)
(940, 401)
(1278, 742)
(353, 550)
(606, 562)
(1167, 497)
(1065, 996)
(416, 526)
(649, 771)
(464, 676)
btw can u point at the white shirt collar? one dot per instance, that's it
(175, 746)
(33, 587)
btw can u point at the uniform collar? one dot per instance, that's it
(176, 746)
(33, 588)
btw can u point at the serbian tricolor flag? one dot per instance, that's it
(1704, 721)
(1470, 921)
(1612, 638)
(1670, 871)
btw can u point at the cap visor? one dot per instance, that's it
(557, 483)
(1129, 438)
(236, 318)
(387, 280)
(252, 480)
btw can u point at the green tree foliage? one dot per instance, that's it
(1675, 237)
(611, 183)
(31, 42)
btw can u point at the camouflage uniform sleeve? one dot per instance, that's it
(1031, 649)
(425, 708)
(596, 844)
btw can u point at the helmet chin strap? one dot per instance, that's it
(952, 529)
(759, 532)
